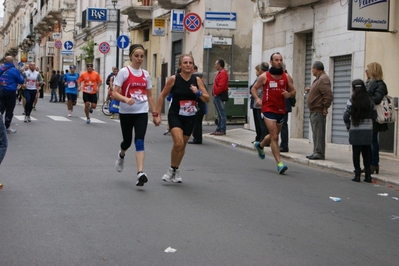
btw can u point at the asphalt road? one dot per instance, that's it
(63, 203)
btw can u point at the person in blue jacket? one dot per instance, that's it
(10, 77)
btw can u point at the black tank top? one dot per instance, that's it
(181, 91)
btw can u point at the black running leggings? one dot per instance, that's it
(129, 121)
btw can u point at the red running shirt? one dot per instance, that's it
(135, 87)
(273, 100)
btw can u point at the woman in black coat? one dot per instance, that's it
(53, 86)
(358, 117)
(377, 89)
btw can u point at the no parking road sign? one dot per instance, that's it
(58, 44)
(104, 47)
(192, 22)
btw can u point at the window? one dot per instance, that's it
(146, 35)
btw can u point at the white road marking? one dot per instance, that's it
(22, 118)
(59, 118)
(93, 120)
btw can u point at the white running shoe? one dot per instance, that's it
(177, 178)
(11, 131)
(119, 163)
(26, 119)
(69, 113)
(141, 179)
(29, 119)
(169, 175)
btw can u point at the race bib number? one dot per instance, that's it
(138, 97)
(188, 108)
(89, 89)
(273, 84)
(71, 84)
(30, 83)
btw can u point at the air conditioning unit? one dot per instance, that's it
(49, 49)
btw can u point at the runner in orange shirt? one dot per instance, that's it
(91, 82)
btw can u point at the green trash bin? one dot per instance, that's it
(236, 106)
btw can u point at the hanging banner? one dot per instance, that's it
(368, 15)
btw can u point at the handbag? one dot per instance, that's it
(386, 112)
(114, 107)
(224, 96)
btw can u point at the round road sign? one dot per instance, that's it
(192, 22)
(104, 47)
(58, 44)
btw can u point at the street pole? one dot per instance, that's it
(118, 29)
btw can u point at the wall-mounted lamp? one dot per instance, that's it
(64, 24)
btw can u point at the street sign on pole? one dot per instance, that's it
(123, 41)
(222, 40)
(207, 41)
(220, 20)
(58, 44)
(177, 16)
(104, 47)
(68, 45)
(192, 22)
(57, 35)
(232, 16)
(220, 24)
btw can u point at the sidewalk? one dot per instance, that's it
(338, 157)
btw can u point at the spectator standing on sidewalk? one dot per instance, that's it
(358, 117)
(289, 103)
(377, 89)
(110, 87)
(319, 100)
(61, 87)
(53, 86)
(277, 87)
(41, 91)
(220, 84)
(33, 81)
(10, 77)
(108, 80)
(181, 116)
(260, 126)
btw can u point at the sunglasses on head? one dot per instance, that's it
(89, 65)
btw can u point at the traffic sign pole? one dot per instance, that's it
(118, 29)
